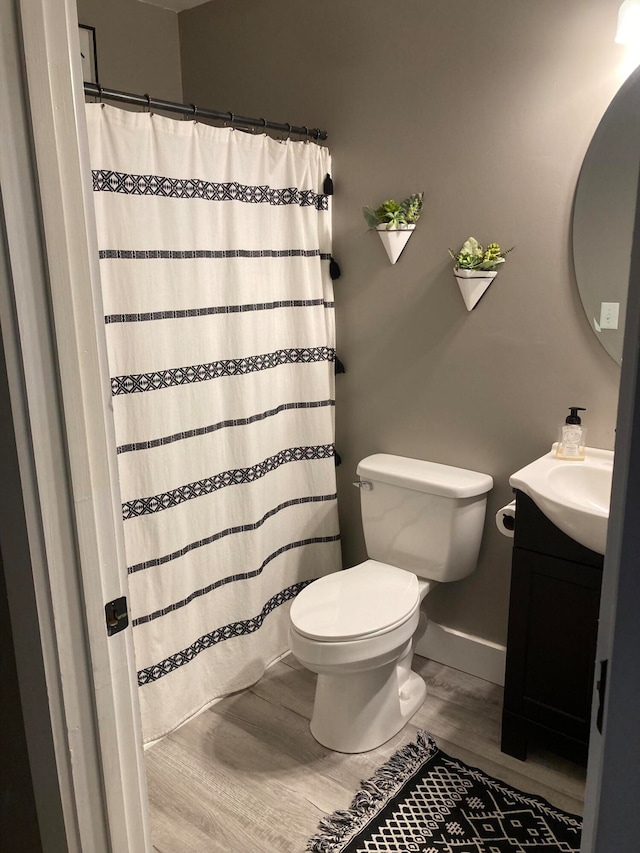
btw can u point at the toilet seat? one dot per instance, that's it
(365, 601)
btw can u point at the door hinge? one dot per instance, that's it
(601, 687)
(116, 615)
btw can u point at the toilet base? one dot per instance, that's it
(359, 711)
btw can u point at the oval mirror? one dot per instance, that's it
(603, 216)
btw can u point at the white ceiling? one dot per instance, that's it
(176, 5)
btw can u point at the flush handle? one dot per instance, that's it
(363, 484)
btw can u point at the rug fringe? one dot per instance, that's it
(374, 792)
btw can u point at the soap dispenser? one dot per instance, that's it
(572, 438)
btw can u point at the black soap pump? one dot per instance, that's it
(572, 437)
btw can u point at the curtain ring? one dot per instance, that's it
(148, 97)
(99, 92)
(306, 131)
(286, 138)
(232, 118)
(195, 112)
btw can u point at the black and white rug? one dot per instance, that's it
(423, 801)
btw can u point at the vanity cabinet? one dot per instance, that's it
(551, 645)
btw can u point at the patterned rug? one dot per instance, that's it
(424, 801)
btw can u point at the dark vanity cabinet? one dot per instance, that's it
(551, 646)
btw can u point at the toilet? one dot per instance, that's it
(357, 628)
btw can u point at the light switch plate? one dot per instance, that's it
(609, 315)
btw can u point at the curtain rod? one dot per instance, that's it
(93, 90)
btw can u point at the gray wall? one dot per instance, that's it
(137, 46)
(489, 108)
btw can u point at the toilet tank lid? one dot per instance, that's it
(421, 476)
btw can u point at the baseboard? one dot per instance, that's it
(465, 652)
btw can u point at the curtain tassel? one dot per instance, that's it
(338, 366)
(327, 187)
(334, 270)
(336, 457)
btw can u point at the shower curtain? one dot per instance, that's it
(214, 259)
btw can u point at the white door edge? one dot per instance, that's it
(59, 341)
(613, 774)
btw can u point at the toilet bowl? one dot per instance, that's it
(354, 632)
(357, 628)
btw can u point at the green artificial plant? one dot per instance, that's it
(472, 256)
(395, 214)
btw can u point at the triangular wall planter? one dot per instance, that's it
(394, 239)
(473, 284)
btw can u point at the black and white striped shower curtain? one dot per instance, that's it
(214, 259)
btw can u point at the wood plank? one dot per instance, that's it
(247, 775)
(474, 727)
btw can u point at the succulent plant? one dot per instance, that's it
(413, 207)
(395, 214)
(472, 256)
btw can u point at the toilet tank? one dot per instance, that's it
(422, 516)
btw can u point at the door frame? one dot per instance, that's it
(56, 363)
(52, 326)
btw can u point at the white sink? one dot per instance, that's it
(573, 495)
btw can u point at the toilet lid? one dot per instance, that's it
(367, 599)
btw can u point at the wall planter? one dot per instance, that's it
(394, 239)
(475, 269)
(473, 284)
(395, 222)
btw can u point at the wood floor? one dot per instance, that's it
(246, 776)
